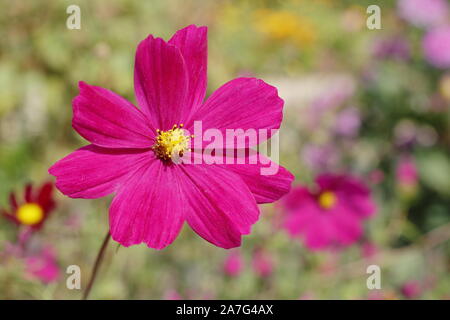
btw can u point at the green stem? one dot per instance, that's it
(97, 264)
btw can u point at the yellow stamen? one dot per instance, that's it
(30, 214)
(171, 143)
(327, 200)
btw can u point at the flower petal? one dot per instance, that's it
(348, 228)
(193, 44)
(108, 120)
(44, 197)
(161, 82)
(13, 201)
(92, 172)
(221, 207)
(149, 207)
(319, 235)
(267, 180)
(242, 103)
(29, 193)
(352, 191)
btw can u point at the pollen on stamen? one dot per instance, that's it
(171, 142)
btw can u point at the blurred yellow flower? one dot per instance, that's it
(285, 26)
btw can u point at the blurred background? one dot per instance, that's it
(371, 103)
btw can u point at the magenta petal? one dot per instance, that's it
(108, 120)
(149, 207)
(360, 204)
(242, 103)
(221, 207)
(193, 44)
(348, 228)
(319, 234)
(298, 221)
(92, 172)
(161, 82)
(265, 188)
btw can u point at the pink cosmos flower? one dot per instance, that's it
(423, 13)
(131, 148)
(43, 265)
(331, 215)
(436, 47)
(233, 264)
(262, 263)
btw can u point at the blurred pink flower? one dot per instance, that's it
(262, 263)
(436, 47)
(423, 13)
(132, 148)
(392, 48)
(411, 289)
(233, 264)
(172, 295)
(406, 172)
(330, 216)
(43, 265)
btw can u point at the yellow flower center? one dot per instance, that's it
(30, 214)
(171, 143)
(327, 200)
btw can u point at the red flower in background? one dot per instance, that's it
(35, 208)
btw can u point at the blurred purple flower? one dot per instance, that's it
(436, 47)
(332, 98)
(392, 48)
(348, 122)
(320, 157)
(423, 13)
